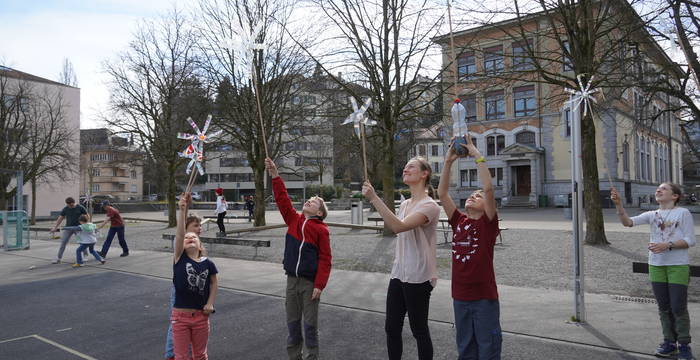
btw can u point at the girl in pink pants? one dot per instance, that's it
(194, 278)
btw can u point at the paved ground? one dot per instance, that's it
(98, 312)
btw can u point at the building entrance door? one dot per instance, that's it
(522, 180)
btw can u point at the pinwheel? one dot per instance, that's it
(359, 121)
(459, 127)
(195, 150)
(582, 96)
(246, 45)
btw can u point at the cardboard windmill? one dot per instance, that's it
(359, 120)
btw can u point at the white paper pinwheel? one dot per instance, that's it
(358, 116)
(193, 153)
(244, 44)
(583, 95)
(200, 136)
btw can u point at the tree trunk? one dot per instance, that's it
(595, 228)
(32, 220)
(388, 176)
(259, 212)
(172, 190)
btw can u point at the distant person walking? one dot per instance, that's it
(116, 228)
(221, 206)
(71, 213)
(250, 206)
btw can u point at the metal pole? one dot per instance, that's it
(577, 214)
(19, 206)
(303, 185)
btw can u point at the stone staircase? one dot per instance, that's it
(518, 202)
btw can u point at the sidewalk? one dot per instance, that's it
(628, 326)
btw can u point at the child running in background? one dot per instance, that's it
(671, 233)
(194, 278)
(307, 263)
(474, 291)
(87, 237)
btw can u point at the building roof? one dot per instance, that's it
(20, 75)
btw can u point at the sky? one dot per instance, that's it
(38, 35)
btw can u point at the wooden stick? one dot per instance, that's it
(257, 98)
(190, 182)
(364, 149)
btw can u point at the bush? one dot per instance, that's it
(327, 192)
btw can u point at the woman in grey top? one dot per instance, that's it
(414, 273)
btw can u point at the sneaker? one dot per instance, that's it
(124, 254)
(103, 254)
(666, 349)
(103, 261)
(76, 265)
(684, 352)
(57, 261)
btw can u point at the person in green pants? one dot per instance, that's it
(671, 234)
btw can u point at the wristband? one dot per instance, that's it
(480, 160)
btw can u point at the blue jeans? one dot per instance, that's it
(81, 248)
(119, 231)
(478, 329)
(169, 348)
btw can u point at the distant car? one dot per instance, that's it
(195, 196)
(152, 197)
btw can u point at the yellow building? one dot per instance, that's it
(521, 123)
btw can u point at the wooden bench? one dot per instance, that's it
(224, 241)
(643, 268)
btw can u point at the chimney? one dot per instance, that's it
(340, 75)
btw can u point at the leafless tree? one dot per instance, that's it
(147, 82)
(67, 75)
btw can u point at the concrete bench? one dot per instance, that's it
(213, 218)
(256, 228)
(224, 241)
(643, 268)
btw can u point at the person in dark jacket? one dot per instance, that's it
(307, 263)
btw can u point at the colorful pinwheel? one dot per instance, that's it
(195, 150)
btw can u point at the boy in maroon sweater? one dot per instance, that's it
(307, 263)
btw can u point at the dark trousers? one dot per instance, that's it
(672, 300)
(413, 299)
(119, 231)
(220, 221)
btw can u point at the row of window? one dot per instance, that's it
(115, 172)
(524, 104)
(102, 157)
(493, 60)
(118, 187)
(237, 177)
(470, 177)
(643, 161)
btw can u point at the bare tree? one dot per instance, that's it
(388, 45)
(280, 70)
(148, 80)
(67, 75)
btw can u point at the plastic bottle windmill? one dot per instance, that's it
(246, 45)
(195, 151)
(359, 120)
(459, 126)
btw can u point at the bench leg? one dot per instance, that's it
(500, 238)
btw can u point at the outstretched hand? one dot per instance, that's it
(471, 148)
(368, 191)
(271, 167)
(185, 200)
(615, 196)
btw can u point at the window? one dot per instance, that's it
(495, 144)
(473, 178)
(133, 174)
(495, 105)
(464, 177)
(115, 172)
(524, 100)
(102, 157)
(639, 106)
(475, 143)
(469, 104)
(521, 58)
(625, 156)
(496, 176)
(421, 150)
(567, 119)
(133, 188)
(95, 188)
(466, 65)
(434, 150)
(566, 60)
(648, 152)
(95, 171)
(493, 59)
(525, 138)
(436, 167)
(657, 163)
(638, 175)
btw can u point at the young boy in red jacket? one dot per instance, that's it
(307, 263)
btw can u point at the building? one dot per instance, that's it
(110, 165)
(431, 144)
(306, 157)
(522, 125)
(28, 94)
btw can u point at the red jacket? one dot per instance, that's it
(307, 248)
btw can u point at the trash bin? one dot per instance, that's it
(567, 213)
(356, 213)
(543, 201)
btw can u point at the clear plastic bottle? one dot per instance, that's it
(459, 126)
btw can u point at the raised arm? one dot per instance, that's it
(284, 204)
(179, 245)
(444, 187)
(621, 214)
(484, 178)
(390, 220)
